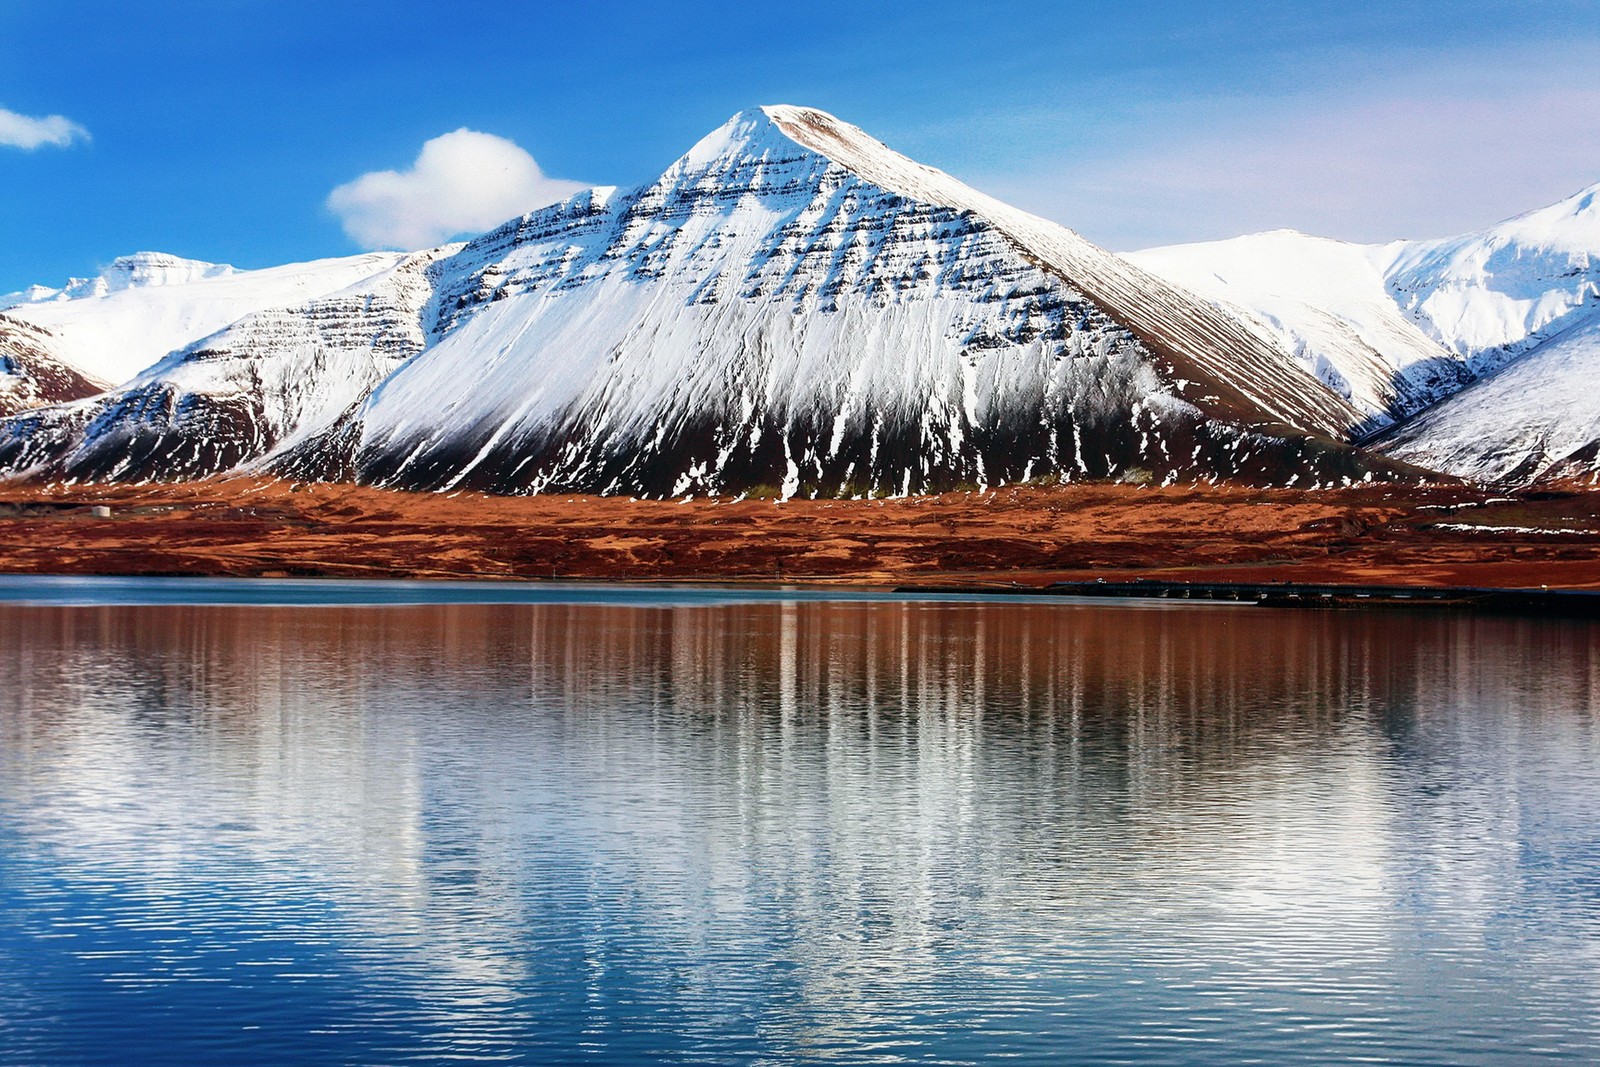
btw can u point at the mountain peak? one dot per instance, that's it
(140, 270)
(774, 131)
(750, 133)
(160, 268)
(791, 307)
(1571, 224)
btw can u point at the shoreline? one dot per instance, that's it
(78, 591)
(1566, 603)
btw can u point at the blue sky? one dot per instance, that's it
(217, 129)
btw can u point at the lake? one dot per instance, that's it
(259, 822)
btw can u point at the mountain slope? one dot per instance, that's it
(1329, 303)
(791, 308)
(1520, 302)
(149, 305)
(1493, 294)
(1406, 329)
(1536, 419)
(1168, 320)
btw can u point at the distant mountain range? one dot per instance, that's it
(1474, 355)
(794, 309)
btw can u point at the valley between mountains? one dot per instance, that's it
(794, 320)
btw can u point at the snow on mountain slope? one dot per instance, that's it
(149, 305)
(258, 386)
(1520, 302)
(1537, 418)
(1170, 321)
(1497, 292)
(1328, 302)
(30, 374)
(794, 308)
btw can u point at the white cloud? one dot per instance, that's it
(26, 132)
(461, 182)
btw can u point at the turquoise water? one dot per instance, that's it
(710, 826)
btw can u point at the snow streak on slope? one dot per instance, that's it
(1538, 418)
(793, 307)
(257, 387)
(1327, 302)
(30, 374)
(149, 305)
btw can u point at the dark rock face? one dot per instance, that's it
(149, 432)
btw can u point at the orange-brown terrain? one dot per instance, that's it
(1027, 535)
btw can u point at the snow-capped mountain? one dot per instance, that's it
(138, 271)
(149, 305)
(1522, 299)
(1409, 327)
(1491, 295)
(791, 307)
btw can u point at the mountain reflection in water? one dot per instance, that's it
(769, 832)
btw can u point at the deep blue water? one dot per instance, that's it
(602, 825)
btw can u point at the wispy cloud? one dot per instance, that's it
(461, 182)
(1459, 144)
(28, 133)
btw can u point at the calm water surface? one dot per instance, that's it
(712, 829)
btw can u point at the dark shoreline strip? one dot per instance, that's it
(1553, 602)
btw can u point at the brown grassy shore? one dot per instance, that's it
(1028, 535)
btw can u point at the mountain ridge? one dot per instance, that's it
(791, 308)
